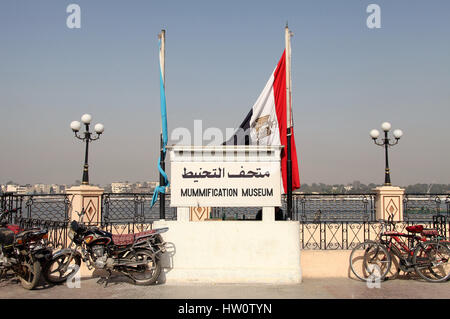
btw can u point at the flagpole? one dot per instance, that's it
(288, 121)
(162, 195)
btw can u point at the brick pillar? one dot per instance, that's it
(90, 198)
(87, 197)
(389, 201)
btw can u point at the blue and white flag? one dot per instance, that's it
(162, 188)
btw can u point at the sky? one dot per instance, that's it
(346, 78)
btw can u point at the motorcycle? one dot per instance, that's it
(136, 256)
(23, 252)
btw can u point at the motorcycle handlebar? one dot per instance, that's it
(5, 212)
(80, 214)
(77, 226)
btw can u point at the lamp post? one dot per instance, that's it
(88, 137)
(386, 142)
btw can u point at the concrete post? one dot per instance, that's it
(87, 197)
(183, 214)
(389, 201)
(268, 214)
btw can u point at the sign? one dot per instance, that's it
(225, 184)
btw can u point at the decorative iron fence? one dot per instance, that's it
(48, 211)
(235, 213)
(312, 208)
(50, 207)
(326, 221)
(333, 208)
(347, 235)
(127, 213)
(130, 207)
(424, 207)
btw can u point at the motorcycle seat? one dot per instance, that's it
(31, 234)
(15, 228)
(430, 232)
(129, 239)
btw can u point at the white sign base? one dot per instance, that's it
(231, 252)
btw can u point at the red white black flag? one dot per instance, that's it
(266, 123)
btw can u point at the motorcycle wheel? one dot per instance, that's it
(54, 272)
(144, 274)
(30, 275)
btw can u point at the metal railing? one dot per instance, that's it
(347, 235)
(312, 208)
(334, 208)
(424, 206)
(47, 211)
(131, 212)
(326, 221)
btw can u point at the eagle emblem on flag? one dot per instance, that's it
(261, 128)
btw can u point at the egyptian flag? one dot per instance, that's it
(266, 123)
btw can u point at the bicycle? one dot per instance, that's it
(427, 255)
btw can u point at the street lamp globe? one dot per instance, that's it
(374, 134)
(99, 128)
(386, 126)
(75, 126)
(86, 137)
(86, 118)
(398, 133)
(386, 142)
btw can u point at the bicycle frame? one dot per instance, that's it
(414, 252)
(392, 241)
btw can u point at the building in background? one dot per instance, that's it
(121, 187)
(24, 189)
(11, 188)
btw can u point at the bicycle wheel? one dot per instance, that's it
(431, 261)
(370, 261)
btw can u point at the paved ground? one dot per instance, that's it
(331, 288)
